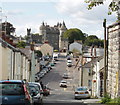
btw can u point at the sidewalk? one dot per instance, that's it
(91, 101)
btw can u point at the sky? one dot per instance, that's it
(25, 14)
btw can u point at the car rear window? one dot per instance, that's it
(11, 89)
(81, 89)
(63, 82)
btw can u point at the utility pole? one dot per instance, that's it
(0, 21)
(105, 72)
(82, 67)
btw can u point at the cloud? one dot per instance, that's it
(84, 19)
(22, 29)
(15, 12)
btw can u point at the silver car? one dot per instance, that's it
(81, 92)
(37, 91)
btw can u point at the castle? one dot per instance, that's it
(52, 35)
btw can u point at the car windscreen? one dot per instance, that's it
(34, 88)
(63, 82)
(11, 89)
(81, 89)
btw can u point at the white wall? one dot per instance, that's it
(75, 45)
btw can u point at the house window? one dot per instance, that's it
(89, 83)
(89, 72)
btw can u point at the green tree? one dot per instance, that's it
(39, 53)
(113, 6)
(21, 44)
(76, 52)
(94, 40)
(8, 28)
(74, 34)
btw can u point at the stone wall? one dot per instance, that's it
(114, 60)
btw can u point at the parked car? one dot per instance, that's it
(15, 92)
(37, 78)
(65, 76)
(49, 67)
(40, 92)
(35, 92)
(81, 92)
(52, 64)
(41, 75)
(46, 69)
(46, 91)
(63, 83)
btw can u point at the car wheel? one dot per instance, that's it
(75, 98)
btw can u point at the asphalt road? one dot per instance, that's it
(53, 78)
(59, 95)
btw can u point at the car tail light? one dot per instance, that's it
(41, 90)
(27, 97)
(6, 81)
(45, 90)
(86, 92)
(76, 93)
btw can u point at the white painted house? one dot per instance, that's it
(75, 45)
(97, 82)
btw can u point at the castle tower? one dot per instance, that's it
(29, 35)
(43, 31)
(61, 40)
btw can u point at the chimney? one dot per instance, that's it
(32, 46)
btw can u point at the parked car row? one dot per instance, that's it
(42, 73)
(20, 92)
(15, 92)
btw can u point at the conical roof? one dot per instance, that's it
(63, 26)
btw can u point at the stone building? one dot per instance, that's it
(35, 38)
(114, 60)
(54, 35)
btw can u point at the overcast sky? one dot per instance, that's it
(30, 14)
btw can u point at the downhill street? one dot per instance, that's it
(53, 78)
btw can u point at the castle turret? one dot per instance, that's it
(61, 40)
(43, 31)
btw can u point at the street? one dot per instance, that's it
(53, 78)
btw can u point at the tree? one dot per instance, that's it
(113, 6)
(93, 40)
(76, 52)
(8, 28)
(74, 34)
(39, 53)
(21, 44)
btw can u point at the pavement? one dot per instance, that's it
(91, 100)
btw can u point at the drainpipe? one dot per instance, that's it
(13, 65)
